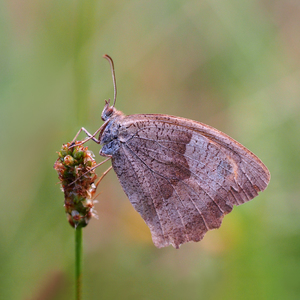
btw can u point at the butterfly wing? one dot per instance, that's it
(183, 176)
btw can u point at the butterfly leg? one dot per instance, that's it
(90, 136)
(98, 165)
(104, 173)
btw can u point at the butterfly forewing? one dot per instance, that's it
(183, 176)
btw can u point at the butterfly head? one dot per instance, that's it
(108, 111)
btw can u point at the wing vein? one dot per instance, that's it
(197, 176)
(156, 181)
(196, 207)
(160, 224)
(220, 143)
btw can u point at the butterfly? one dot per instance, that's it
(181, 176)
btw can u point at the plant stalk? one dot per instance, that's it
(78, 262)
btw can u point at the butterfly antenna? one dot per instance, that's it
(112, 67)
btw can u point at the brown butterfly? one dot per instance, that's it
(180, 175)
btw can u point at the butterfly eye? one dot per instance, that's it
(107, 112)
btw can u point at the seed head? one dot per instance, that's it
(77, 178)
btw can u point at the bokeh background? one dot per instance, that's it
(232, 64)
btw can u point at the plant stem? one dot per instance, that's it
(78, 262)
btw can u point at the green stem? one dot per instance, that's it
(78, 262)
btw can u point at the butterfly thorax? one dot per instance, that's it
(109, 136)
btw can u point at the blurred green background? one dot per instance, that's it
(232, 64)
